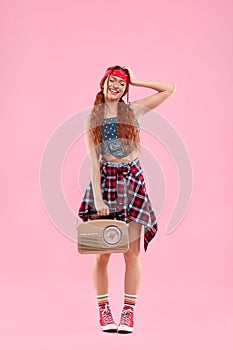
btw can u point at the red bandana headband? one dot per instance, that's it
(117, 73)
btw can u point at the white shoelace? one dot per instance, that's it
(107, 315)
(125, 316)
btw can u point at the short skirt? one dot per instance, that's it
(124, 191)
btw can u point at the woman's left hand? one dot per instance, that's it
(131, 74)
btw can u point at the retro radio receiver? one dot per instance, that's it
(103, 236)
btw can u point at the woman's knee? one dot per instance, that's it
(132, 254)
(102, 259)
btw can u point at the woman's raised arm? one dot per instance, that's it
(144, 105)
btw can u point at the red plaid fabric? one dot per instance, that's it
(124, 191)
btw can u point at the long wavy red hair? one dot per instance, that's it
(127, 130)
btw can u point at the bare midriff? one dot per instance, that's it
(130, 158)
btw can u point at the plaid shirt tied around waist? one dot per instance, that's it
(124, 191)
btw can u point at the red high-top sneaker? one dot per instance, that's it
(126, 324)
(106, 320)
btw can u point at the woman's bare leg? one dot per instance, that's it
(100, 273)
(132, 260)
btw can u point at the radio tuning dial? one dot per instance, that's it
(112, 235)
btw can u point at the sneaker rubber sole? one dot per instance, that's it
(124, 329)
(109, 328)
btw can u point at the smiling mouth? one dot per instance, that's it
(113, 91)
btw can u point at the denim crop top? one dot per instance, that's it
(110, 143)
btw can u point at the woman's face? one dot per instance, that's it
(115, 90)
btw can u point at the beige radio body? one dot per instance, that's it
(103, 236)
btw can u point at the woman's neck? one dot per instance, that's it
(110, 109)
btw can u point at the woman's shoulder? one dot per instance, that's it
(137, 110)
(136, 118)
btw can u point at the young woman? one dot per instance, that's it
(113, 144)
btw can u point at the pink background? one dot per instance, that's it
(53, 54)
